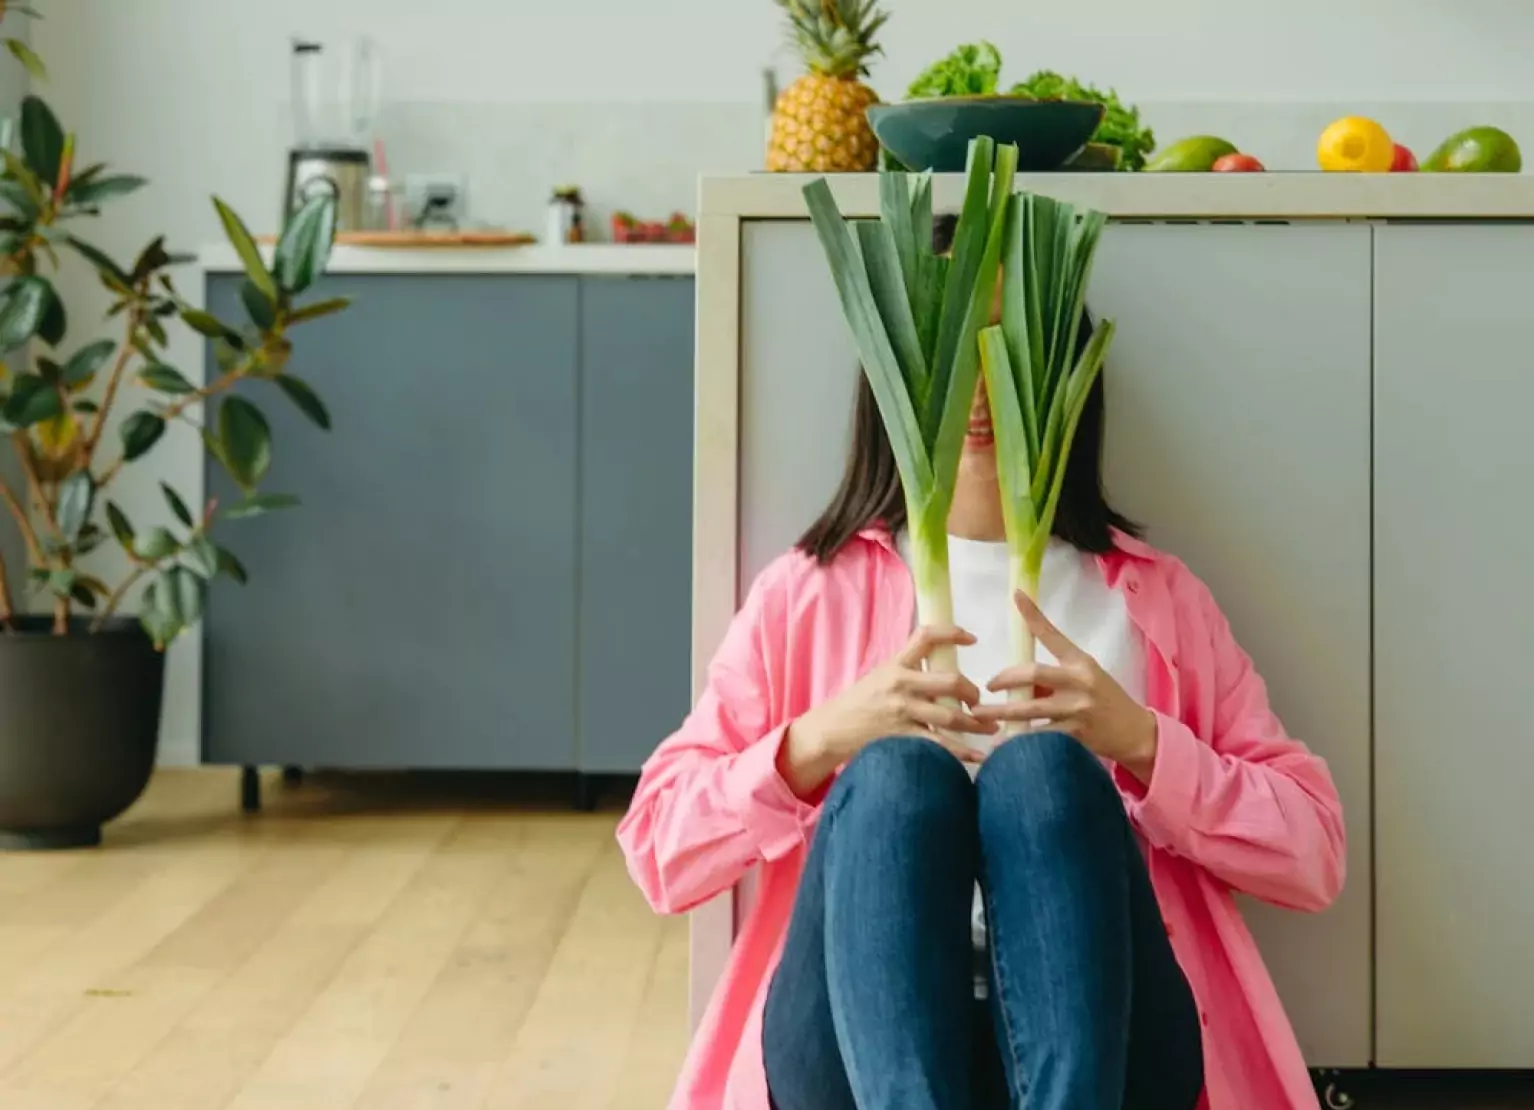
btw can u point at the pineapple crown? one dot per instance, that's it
(834, 37)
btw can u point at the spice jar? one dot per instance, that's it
(567, 216)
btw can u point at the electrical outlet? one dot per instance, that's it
(445, 194)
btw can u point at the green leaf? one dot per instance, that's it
(117, 278)
(32, 400)
(120, 526)
(230, 565)
(75, 495)
(205, 323)
(247, 441)
(166, 379)
(86, 406)
(304, 247)
(87, 362)
(90, 538)
(22, 307)
(51, 328)
(305, 398)
(29, 60)
(96, 190)
(19, 197)
(258, 504)
(871, 341)
(203, 555)
(245, 246)
(42, 139)
(82, 594)
(155, 544)
(177, 506)
(140, 432)
(62, 581)
(151, 259)
(262, 312)
(319, 308)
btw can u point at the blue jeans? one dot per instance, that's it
(872, 1006)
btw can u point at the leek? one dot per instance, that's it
(1036, 382)
(915, 318)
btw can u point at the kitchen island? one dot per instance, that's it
(489, 570)
(1317, 396)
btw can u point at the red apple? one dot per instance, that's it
(1405, 161)
(1237, 163)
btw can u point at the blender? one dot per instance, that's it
(336, 95)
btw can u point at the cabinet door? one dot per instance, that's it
(636, 516)
(1238, 434)
(1454, 645)
(418, 609)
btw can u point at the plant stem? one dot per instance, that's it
(7, 605)
(124, 356)
(934, 595)
(117, 596)
(23, 522)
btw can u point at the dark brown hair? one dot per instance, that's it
(870, 490)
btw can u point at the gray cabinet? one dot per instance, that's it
(1454, 639)
(635, 483)
(1238, 432)
(419, 609)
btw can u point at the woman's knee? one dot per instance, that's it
(1044, 773)
(900, 774)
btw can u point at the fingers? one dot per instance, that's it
(1047, 634)
(1053, 709)
(927, 639)
(1035, 675)
(961, 750)
(932, 687)
(946, 718)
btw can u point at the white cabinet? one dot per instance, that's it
(1454, 645)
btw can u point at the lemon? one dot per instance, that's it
(1355, 145)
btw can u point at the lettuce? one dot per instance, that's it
(1121, 123)
(971, 70)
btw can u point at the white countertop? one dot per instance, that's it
(1215, 196)
(586, 258)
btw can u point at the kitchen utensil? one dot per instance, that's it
(935, 134)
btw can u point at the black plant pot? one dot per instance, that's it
(79, 723)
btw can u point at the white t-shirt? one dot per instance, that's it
(1073, 594)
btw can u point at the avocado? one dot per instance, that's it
(1477, 150)
(1196, 154)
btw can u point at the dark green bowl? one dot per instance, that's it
(935, 134)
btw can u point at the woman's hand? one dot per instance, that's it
(898, 698)
(1077, 698)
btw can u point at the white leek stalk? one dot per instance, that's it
(915, 318)
(1037, 384)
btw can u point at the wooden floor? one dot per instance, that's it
(372, 943)
(362, 945)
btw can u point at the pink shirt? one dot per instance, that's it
(1233, 804)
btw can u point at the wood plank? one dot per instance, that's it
(447, 1055)
(206, 1059)
(568, 1051)
(329, 1055)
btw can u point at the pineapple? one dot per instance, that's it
(818, 123)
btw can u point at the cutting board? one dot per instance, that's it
(411, 240)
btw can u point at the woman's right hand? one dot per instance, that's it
(897, 698)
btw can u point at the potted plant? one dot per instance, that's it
(80, 679)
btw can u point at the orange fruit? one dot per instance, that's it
(1356, 145)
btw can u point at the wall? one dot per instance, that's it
(633, 101)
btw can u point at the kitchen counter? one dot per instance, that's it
(1255, 196)
(586, 258)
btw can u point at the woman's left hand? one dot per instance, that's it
(1077, 697)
